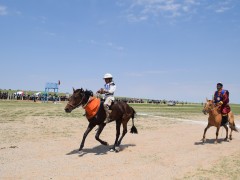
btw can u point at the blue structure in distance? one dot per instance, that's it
(50, 86)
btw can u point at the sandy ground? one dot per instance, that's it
(165, 148)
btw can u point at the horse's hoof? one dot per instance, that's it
(111, 150)
(104, 143)
(117, 149)
(215, 142)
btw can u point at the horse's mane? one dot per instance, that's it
(78, 90)
(86, 92)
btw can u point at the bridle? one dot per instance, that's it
(210, 108)
(79, 104)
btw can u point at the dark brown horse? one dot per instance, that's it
(121, 113)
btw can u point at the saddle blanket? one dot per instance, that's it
(92, 107)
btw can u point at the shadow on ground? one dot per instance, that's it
(98, 150)
(211, 141)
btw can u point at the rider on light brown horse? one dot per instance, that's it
(221, 98)
(219, 113)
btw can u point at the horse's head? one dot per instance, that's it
(209, 105)
(77, 99)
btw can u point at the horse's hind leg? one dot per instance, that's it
(205, 130)
(101, 127)
(123, 133)
(226, 138)
(118, 126)
(231, 124)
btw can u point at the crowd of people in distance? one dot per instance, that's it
(53, 97)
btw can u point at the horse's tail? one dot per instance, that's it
(234, 127)
(133, 129)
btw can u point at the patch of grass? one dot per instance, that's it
(19, 110)
(177, 111)
(226, 168)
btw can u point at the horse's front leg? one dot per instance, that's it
(216, 140)
(230, 135)
(89, 128)
(101, 127)
(205, 130)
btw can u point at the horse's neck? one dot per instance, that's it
(86, 101)
(214, 112)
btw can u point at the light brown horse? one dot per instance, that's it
(215, 119)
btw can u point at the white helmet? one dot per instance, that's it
(108, 75)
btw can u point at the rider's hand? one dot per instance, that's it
(220, 103)
(101, 91)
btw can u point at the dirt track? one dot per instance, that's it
(43, 148)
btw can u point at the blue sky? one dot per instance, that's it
(160, 49)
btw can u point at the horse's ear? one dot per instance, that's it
(73, 89)
(206, 99)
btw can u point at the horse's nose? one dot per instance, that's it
(66, 110)
(204, 112)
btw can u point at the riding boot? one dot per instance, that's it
(106, 108)
(224, 119)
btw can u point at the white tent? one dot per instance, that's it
(19, 93)
(37, 94)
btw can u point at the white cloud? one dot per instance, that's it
(136, 18)
(221, 6)
(222, 9)
(3, 10)
(142, 10)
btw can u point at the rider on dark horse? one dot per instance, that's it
(108, 91)
(221, 98)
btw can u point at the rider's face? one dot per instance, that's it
(107, 80)
(219, 87)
